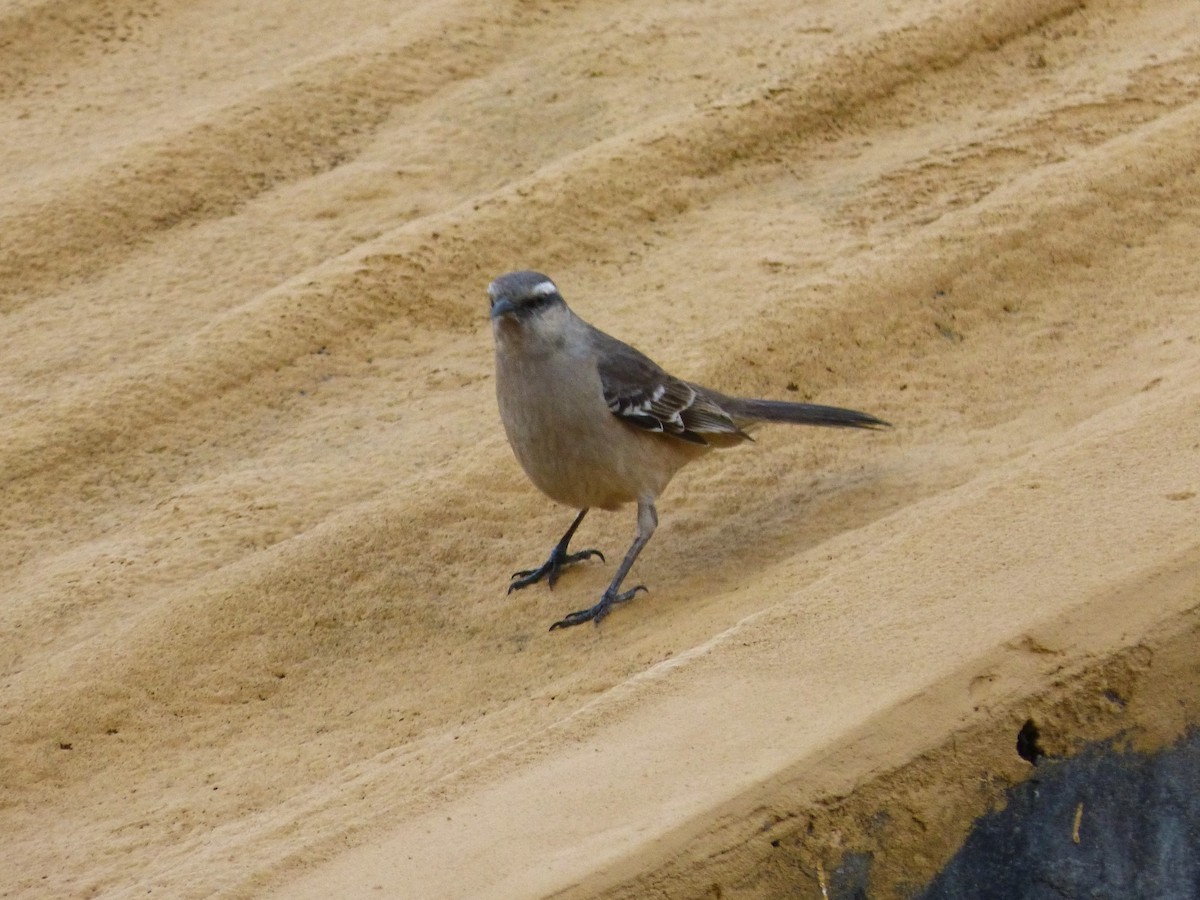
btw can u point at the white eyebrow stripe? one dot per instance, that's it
(543, 289)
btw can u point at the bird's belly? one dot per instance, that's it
(566, 439)
(569, 442)
(577, 467)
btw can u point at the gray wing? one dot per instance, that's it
(639, 392)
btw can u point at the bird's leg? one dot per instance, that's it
(559, 557)
(647, 521)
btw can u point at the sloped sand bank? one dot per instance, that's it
(260, 515)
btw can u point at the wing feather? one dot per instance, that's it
(640, 392)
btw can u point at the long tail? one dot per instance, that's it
(742, 408)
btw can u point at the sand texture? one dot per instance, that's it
(260, 515)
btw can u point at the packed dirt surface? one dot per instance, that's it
(260, 515)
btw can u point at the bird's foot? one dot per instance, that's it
(558, 560)
(599, 611)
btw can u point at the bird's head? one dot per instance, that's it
(523, 299)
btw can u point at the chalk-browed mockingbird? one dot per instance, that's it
(594, 422)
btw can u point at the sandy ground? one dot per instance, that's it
(260, 514)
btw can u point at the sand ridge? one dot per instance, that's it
(259, 510)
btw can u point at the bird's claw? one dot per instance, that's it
(597, 612)
(551, 568)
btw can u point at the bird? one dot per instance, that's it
(595, 423)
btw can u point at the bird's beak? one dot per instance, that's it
(502, 308)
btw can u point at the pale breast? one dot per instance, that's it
(568, 441)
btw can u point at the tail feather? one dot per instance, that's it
(745, 409)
